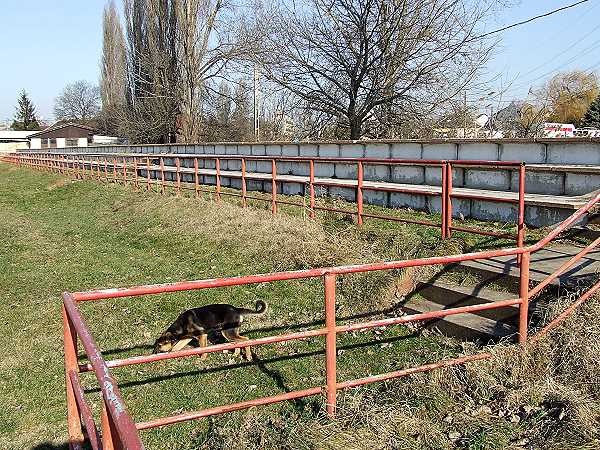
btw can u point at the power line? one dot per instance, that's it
(585, 51)
(532, 19)
(570, 47)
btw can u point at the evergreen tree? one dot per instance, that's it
(25, 119)
(592, 116)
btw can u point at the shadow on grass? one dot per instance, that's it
(49, 446)
(262, 365)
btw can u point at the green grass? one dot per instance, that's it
(64, 235)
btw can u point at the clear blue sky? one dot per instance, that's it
(46, 45)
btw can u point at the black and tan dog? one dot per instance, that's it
(197, 323)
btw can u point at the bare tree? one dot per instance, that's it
(361, 62)
(152, 76)
(78, 101)
(113, 76)
(211, 35)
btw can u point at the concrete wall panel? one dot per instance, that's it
(329, 150)
(439, 151)
(406, 151)
(274, 150)
(399, 200)
(479, 150)
(258, 150)
(376, 198)
(377, 150)
(573, 154)
(408, 174)
(324, 170)
(290, 150)
(499, 212)
(346, 171)
(376, 172)
(345, 193)
(293, 189)
(581, 183)
(308, 150)
(550, 183)
(498, 180)
(352, 151)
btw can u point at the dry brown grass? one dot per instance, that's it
(546, 397)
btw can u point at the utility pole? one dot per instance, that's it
(256, 104)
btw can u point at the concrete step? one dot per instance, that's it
(504, 270)
(461, 326)
(453, 296)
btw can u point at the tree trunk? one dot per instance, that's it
(355, 128)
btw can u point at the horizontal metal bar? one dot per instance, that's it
(227, 408)
(567, 312)
(425, 316)
(291, 275)
(412, 370)
(537, 289)
(143, 359)
(304, 334)
(306, 392)
(337, 210)
(400, 219)
(483, 232)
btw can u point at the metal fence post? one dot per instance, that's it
(312, 188)
(330, 343)
(244, 203)
(524, 295)
(73, 417)
(444, 198)
(178, 175)
(521, 218)
(196, 180)
(115, 170)
(147, 173)
(359, 194)
(135, 173)
(218, 180)
(162, 175)
(449, 200)
(124, 171)
(273, 187)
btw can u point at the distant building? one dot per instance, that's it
(62, 135)
(14, 140)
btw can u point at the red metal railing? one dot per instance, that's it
(84, 166)
(119, 430)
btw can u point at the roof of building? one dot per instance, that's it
(60, 125)
(10, 135)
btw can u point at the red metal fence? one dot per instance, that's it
(119, 431)
(128, 169)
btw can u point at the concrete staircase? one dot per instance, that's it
(495, 324)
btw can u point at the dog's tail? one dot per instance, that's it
(261, 307)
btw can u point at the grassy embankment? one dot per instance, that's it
(63, 235)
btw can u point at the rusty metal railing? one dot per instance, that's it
(120, 431)
(138, 170)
